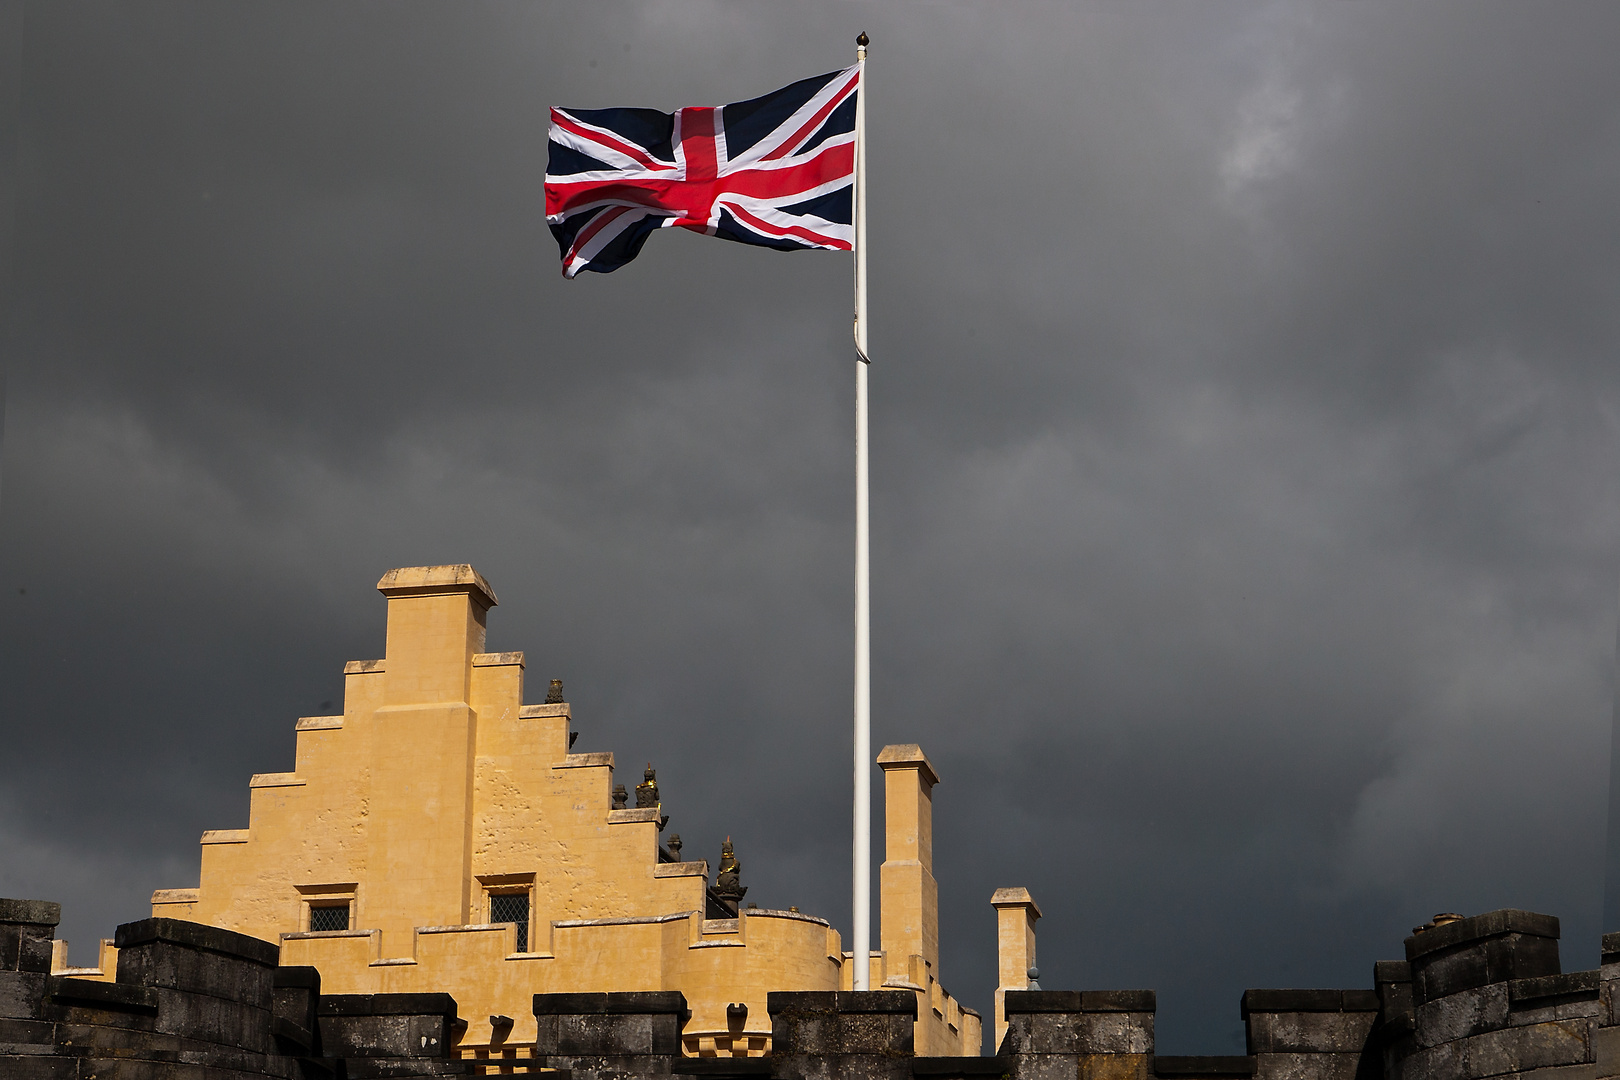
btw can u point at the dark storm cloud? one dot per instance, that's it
(1244, 434)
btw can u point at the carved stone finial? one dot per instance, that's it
(1034, 975)
(674, 844)
(554, 696)
(620, 797)
(728, 882)
(647, 790)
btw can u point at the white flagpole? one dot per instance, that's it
(862, 945)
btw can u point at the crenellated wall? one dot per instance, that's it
(1477, 999)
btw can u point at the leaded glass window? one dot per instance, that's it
(328, 917)
(512, 908)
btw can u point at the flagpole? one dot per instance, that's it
(862, 944)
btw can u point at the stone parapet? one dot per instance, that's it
(1311, 1034)
(843, 1034)
(200, 1003)
(386, 1025)
(207, 1004)
(1092, 1034)
(609, 1035)
(27, 929)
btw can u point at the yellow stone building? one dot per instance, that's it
(441, 836)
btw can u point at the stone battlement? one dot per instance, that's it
(1482, 1000)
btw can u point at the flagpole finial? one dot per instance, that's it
(862, 40)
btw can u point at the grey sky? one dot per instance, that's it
(1245, 409)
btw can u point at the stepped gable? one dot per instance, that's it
(440, 835)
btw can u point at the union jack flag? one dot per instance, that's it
(778, 171)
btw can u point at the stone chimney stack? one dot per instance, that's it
(1016, 912)
(419, 836)
(435, 626)
(909, 905)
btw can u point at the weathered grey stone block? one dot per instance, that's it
(102, 996)
(610, 1034)
(1306, 1066)
(292, 1009)
(1049, 1033)
(844, 1022)
(176, 955)
(860, 1035)
(38, 1068)
(1114, 1033)
(25, 1033)
(1562, 1072)
(1569, 996)
(1116, 1066)
(22, 995)
(34, 912)
(1549, 1009)
(26, 946)
(1046, 1067)
(1563, 1042)
(1310, 1032)
(213, 1020)
(1606, 1050)
(1091, 1022)
(1456, 1016)
(1442, 1062)
(386, 1025)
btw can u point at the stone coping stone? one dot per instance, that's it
(122, 997)
(297, 977)
(1611, 948)
(198, 936)
(387, 1005)
(427, 580)
(903, 755)
(720, 1066)
(1569, 984)
(948, 1067)
(1478, 927)
(902, 1002)
(1204, 1065)
(1298, 1001)
(1079, 1001)
(614, 1004)
(32, 912)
